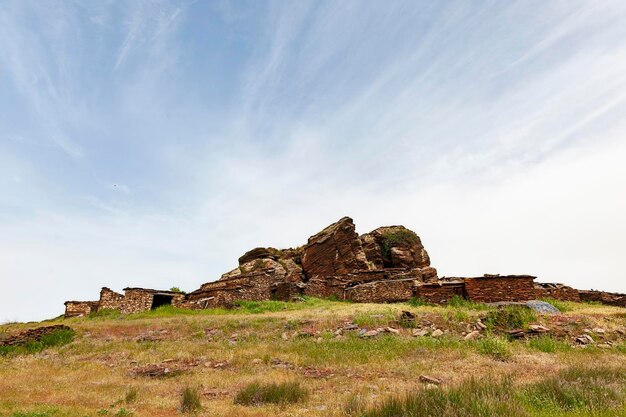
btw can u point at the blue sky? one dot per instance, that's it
(152, 143)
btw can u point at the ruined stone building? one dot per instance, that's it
(388, 264)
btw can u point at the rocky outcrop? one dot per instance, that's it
(336, 250)
(388, 264)
(394, 247)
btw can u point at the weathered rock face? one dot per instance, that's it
(336, 250)
(394, 247)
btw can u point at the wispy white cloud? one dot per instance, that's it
(493, 131)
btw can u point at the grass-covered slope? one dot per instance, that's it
(310, 359)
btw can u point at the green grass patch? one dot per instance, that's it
(549, 344)
(57, 338)
(460, 302)
(190, 400)
(105, 313)
(592, 391)
(495, 347)
(511, 317)
(469, 399)
(355, 350)
(599, 392)
(258, 393)
(418, 302)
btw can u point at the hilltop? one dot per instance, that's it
(339, 358)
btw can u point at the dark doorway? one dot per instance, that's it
(159, 300)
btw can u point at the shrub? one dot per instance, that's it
(176, 289)
(511, 317)
(258, 393)
(495, 347)
(399, 238)
(190, 401)
(131, 395)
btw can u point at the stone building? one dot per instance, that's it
(388, 264)
(134, 300)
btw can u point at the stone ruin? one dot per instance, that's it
(388, 264)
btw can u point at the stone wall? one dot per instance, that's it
(490, 289)
(80, 308)
(438, 292)
(32, 335)
(110, 300)
(613, 299)
(252, 286)
(556, 291)
(384, 291)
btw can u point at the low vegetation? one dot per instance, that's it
(509, 318)
(190, 400)
(313, 358)
(583, 391)
(258, 393)
(57, 338)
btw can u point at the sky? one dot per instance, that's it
(151, 144)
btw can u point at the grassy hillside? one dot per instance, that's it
(297, 359)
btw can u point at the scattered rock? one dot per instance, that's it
(392, 330)
(279, 363)
(535, 328)
(419, 332)
(370, 333)
(351, 326)
(472, 336)
(542, 307)
(517, 333)
(437, 333)
(480, 325)
(430, 380)
(585, 339)
(257, 361)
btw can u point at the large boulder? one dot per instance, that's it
(336, 250)
(394, 247)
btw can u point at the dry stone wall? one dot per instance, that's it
(613, 299)
(110, 300)
(386, 291)
(505, 288)
(32, 335)
(80, 308)
(557, 292)
(440, 293)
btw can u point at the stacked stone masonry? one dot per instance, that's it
(557, 292)
(388, 264)
(491, 289)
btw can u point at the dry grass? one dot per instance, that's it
(231, 349)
